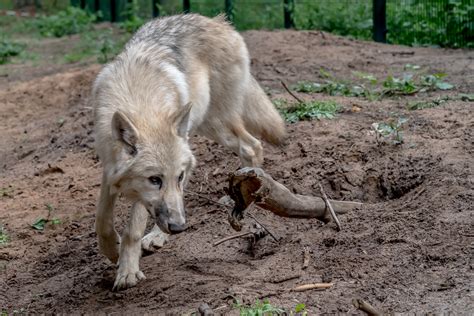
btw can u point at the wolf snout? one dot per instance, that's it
(169, 220)
(176, 228)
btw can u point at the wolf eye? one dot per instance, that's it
(181, 176)
(155, 181)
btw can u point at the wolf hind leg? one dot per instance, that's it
(154, 239)
(234, 136)
(108, 238)
(128, 273)
(250, 149)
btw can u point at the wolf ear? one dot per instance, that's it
(180, 120)
(124, 131)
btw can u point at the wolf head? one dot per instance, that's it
(152, 163)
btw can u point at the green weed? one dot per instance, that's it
(401, 86)
(101, 44)
(435, 82)
(133, 20)
(260, 308)
(41, 222)
(391, 130)
(308, 110)
(4, 238)
(373, 89)
(9, 49)
(300, 309)
(67, 22)
(419, 105)
(6, 192)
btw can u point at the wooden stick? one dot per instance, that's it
(263, 226)
(306, 257)
(291, 93)
(365, 307)
(312, 286)
(328, 204)
(288, 278)
(230, 238)
(253, 185)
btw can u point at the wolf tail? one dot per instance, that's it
(260, 116)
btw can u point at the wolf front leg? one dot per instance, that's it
(109, 239)
(128, 273)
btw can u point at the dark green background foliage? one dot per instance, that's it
(446, 23)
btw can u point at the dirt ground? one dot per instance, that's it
(408, 249)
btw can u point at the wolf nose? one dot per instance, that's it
(176, 229)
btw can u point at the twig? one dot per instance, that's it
(206, 198)
(312, 286)
(419, 193)
(291, 93)
(306, 257)
(365, 307)
(331, 210)
(230, 238)
(263, 226)
(288, 278)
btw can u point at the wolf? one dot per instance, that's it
(177, 76)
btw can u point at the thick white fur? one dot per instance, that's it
(142, 121)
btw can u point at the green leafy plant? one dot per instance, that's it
(67, 22)
(260, 308)
(435, 82)
(9, 49)
(308, 110)
(6, 192)
(41, 222)
(300, 309)
(419, 105)
(372, 89)
(402, 86)
(102, 44)
(391, 130)
(133, 20)
(4, 238)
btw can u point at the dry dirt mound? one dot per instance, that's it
(409, 249)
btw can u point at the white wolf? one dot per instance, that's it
(177, 75)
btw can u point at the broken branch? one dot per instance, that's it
(231, 237)
(312, 286)
(291, 93)
(331, 210)
(306, 256)
(253, 185)
(365, 307)
(287, 278)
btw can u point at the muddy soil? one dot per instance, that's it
(408, 249)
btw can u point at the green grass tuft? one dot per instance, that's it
(308, 110)
(67, 22)
(9, 49)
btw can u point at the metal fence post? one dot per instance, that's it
(288, 9)
(229, 9)
(379, 21)
(186, 6)
(156, 7)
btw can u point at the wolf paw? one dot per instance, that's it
(154, 240)
(125, 280)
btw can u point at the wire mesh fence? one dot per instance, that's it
(447, 23)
